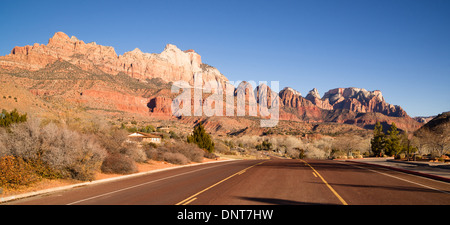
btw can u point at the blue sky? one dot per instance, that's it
(401, 47)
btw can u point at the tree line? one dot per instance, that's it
(391, 143)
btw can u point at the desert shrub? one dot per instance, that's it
(174, 135)
(114, 141)
(133, 151)
(337, 154)
(152, 153)
(15, 172)
(209, 155)
(265, 145)
(174, 158)
(312, 152)
(118, 163)
(73, 154)
(147, 129)
(8, 118)
(248, 142)
(222, 147)
(288, 145)
(190, 151)
(54, 151)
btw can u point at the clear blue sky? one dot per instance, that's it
(399, 47)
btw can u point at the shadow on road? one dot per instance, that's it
(277, 201)
(389, 188)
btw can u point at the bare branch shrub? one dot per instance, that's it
(55, 151)
(220, 147)
(175, 158)
(190, 151)
(114, 141)
(435, 142)
(119, 164)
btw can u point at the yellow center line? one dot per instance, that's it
(326, 183)
(192, 197)
(191, 200)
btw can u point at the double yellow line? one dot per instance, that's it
(326, 183)
(193, 197)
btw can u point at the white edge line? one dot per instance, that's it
(49, 190)
(412, 182)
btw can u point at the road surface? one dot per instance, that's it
(259, 182)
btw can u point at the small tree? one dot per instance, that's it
(393, 145)
(407, 146)
(377, 143)
(201, 138)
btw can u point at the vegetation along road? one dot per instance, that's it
(256, 182)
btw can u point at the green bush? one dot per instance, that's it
(265, 145)
(8, 118)
(201, 138)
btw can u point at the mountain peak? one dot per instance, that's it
(171, 47)
(313, 93)
(61, 36)
(292, 90)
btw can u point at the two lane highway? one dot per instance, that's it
(258, 182)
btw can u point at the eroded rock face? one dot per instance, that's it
(356, 100)
(314, 97)
(160, 106)
(172, 64)
(303, 108)
(70, 57)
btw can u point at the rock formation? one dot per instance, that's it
(303, 108)
(356, 100)
(170, 65)
(137, 82)
(314, 97)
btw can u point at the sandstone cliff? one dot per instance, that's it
(96, 78)
(172, 64)
(356, 100)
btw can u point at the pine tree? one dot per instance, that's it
(377, 143)
(201, 138)
(393, 145)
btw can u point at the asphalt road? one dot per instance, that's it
(260, 182)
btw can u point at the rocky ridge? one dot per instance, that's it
(137, 82)
(172, 64)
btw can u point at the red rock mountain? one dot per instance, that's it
(170, 65)
(95, 77)
(345, 105)
(356, 100)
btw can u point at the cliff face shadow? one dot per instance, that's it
(151, 104)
